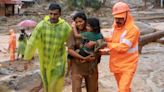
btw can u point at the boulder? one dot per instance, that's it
(145, 28)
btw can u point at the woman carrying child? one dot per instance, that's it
(84, 30)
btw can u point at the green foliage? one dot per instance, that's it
(81, 4)
(76, 3)
(93, 3)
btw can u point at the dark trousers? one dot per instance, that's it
(91, 82)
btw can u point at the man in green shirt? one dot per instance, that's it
(49, 37)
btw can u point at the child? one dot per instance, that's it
(93, 34)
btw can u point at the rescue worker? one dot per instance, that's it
(123, 45)
(49, 37)
(12, 45)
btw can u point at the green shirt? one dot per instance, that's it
(89, 36)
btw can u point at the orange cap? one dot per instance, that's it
(120, 7)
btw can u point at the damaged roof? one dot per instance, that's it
(10, 2)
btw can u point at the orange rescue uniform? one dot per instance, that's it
(123, 46)
(12, 45)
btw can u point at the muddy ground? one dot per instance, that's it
(148, 78)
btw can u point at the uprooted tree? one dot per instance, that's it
(152, 37)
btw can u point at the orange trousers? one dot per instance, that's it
(124, 80)
(12, 55)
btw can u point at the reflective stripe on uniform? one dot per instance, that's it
(127, 42)
(132, 50)
(123, 35)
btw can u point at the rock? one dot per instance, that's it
(19, 82)
(3, 19)
(158, 26)
(161, 40)
(5, 71)
(106, 22)
(4, 89)
(145, 28)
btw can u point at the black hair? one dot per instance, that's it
(95, 24)
(21, 37)
(54, 6)
(22, 30)
(80, 15)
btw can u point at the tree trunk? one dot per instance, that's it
(145, 39)
(157, 3)
(103, 2)
(144, 4)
